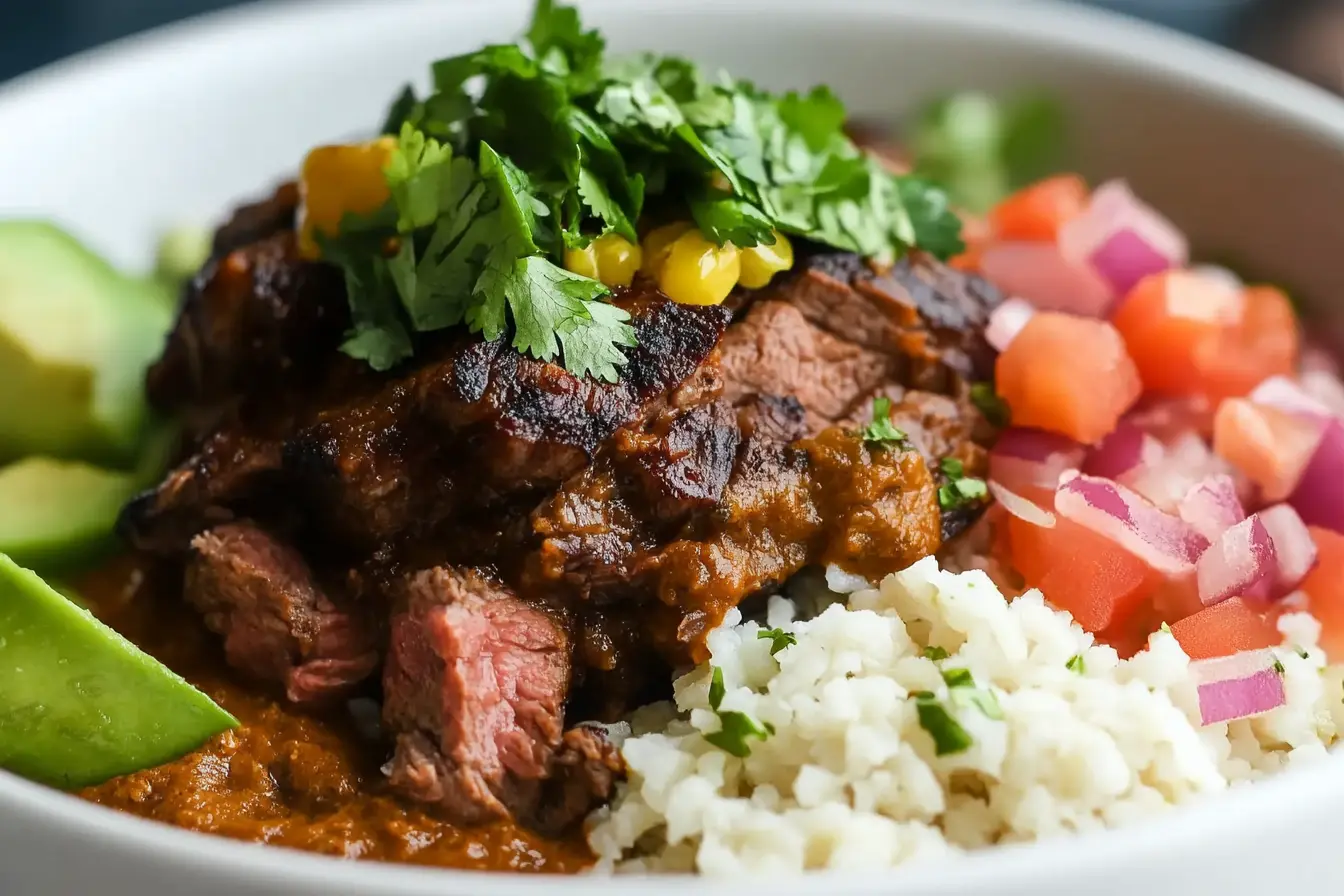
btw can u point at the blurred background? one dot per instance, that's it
(1302, 36)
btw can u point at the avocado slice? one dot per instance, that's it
(80, 704)
(76, 337)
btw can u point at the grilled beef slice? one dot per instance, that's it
(277, 622)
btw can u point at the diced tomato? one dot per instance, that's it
(1036, 213)
(1270, 447)
(976, 234)
(1265, 344)
(1224, 629)
(1068, 375)
(1170, 322)
(1325, 591)
(1089, 575)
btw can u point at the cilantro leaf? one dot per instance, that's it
(1076, 664)
(593, 192)
(414, 175)
(949, 737)
(990, 404)
(378, 335)
(401, 112)
(952, 468)
(779, 639)
(960, 492)
(592, 344)
(958, 678)
(543, 298)
(726, 219)
(518, 203)
(937, 229)
(881, 431)
(935, 653)
(981, 699)
(716, 689)
(737, 728)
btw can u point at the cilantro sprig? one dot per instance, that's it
(938, 719)
(735, 728)
(524, 150)
(960, 489)
(881, 431)
(779, 639)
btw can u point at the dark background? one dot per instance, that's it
(1305, 36)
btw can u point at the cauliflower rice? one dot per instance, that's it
(850, 779)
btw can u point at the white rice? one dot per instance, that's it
(849, 778)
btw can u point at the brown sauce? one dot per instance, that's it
(287, 777)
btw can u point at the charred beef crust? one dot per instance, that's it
(279, 623)
(258, 220)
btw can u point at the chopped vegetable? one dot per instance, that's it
(1030, 462)
(960, 490)
(882, 431)
(1270, 447)
(1239, 686)
(1224, 629)
(1125, 449)
(699, 272)
(79, 704)
(1172, 323)
(1122, 238)
(1319, 497)
(1006, 321)
(1294, 548)
(1264, 344)
(949, 737)
(779, 639)
(1067, 375)
(935, 653)
(1324, 588)
(736, 728)
(1241, 563)
(1165, 542)
(1212, 507)
(990, 404)
(1040, 274)
(1036, 212)
(1076, 664)
(1020, 507)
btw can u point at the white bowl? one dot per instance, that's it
(186, 121)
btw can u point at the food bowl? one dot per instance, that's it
(181, 123)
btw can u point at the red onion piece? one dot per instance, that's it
(1325, 388)
(1319, 496)
(1165, 542)
(1040, 274)
(1126, 448)
(1185, 462)
(1024, 459)
(1020, 507)
(1123, 238)
(1281, 393)
(1241, 563)
(1212, 506)
(1239, 686)
(1293, 546)
(1006, 321)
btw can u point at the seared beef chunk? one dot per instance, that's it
(474, 685)
(250, 318)
(278, 624)
(584, 773)
(258, 220)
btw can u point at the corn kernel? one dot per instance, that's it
(760, 263)
(697, 272)
(582, 261)
(657, 245)
(338, 180)
(618, 259)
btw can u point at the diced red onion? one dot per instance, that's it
(1319, 496)
(1212, 506)
(1031, 458)
(1324, 388)
(1165, 542)
(1006, 321)
(1122, 238)
(1294, 547)
(1040, 274)
(1020, 507)
(1125, 448)
(1241, 563)
(1170, 418)
(1239, 686)
(1185, 462)
(1281, 393)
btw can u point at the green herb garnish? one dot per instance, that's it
(1164, 628)
(990, 404)
(963, 692)
(1278, 666)
(1076, 664)
(948, 735)
(958, 678)
(935, 653)
(735, 728)
(525, 150)
(779, 639)
(960, 489)
(882, 431)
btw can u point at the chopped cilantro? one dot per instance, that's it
(958, 678)
(935, 653)
(1076, 664)
(961, 492)
(524, 150)
(1165, 628)
(1300, 652)
(990, 404)
(735, 727)
(961, 686)
(779, 639)
(952, 468)
(948, 736)
(1278, 666)
(881, 431)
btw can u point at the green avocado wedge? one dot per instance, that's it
(80, 704)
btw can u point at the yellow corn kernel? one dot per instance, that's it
(760, 263)
(337, 180)
(658, 243)
(582, 261)
(618, 259)
(697, 272)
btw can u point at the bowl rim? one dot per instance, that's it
(1200, 67)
